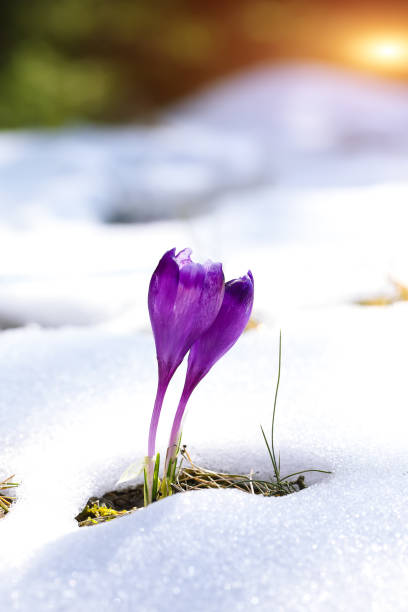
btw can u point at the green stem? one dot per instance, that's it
(275, 465)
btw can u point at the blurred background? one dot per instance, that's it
(263, 133)
(104, 61)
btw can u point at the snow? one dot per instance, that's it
(320, 226)
(212, 548)
(315, 125)
(305, 108)
(132, 173)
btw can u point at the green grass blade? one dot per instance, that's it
(267, 443)
(275, 465)
(156, 477)
(145, 489)
(4, 506)
(305, 472)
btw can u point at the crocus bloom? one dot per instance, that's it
(184, 300)
(214, 343)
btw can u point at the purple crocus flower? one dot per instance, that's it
(184, 300)
(214, 343)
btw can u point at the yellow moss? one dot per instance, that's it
(92, 515)
(102, 511)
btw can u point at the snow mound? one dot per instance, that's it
(306, 107)
(83, 413)
(82, 274)
(121, 174)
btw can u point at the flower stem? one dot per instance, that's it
(150, 465)
(176, 428)
(161, 391)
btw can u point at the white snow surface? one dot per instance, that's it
(308, 108)
(298, 173)
(131, 173)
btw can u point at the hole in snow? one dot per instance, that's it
(115, 504)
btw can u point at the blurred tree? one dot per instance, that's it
(116, 60)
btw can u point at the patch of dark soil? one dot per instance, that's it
(114, 504)
(110, 505)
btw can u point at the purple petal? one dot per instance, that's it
(162, 296)
(163, 286)
(184, 299)
(224, 332)
(227, 327)
(199, 298)
(183, 257)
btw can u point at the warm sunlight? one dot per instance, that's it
(386, 53)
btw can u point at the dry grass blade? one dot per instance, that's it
(252, 324)
(5, 498)
(195, 478)
(399, 294)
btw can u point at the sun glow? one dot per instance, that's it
(383, 53)
(388, 52)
